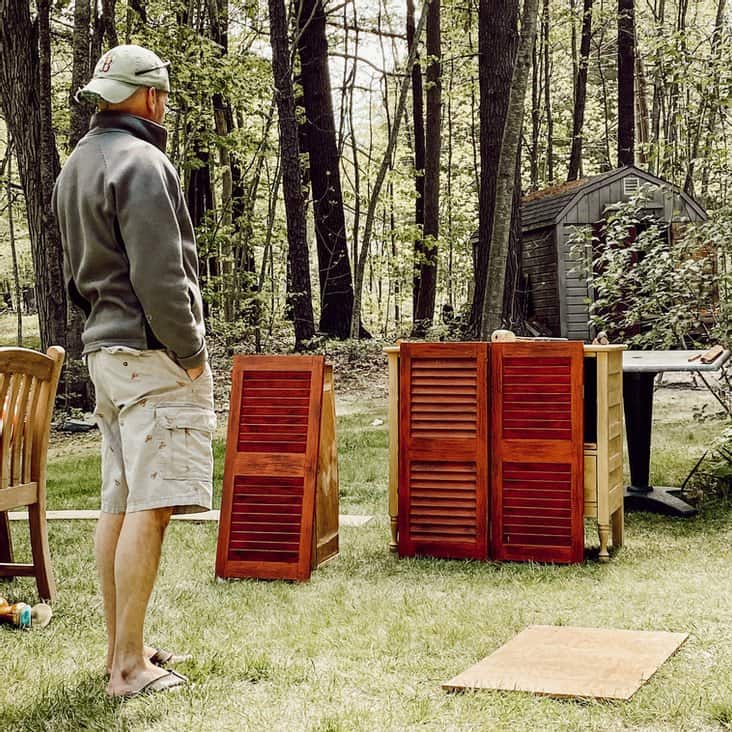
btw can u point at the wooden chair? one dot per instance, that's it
(28, 383)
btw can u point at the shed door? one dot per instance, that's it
(267, 508)
(536, 451)
(443, 478)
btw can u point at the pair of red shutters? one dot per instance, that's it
(491, 451)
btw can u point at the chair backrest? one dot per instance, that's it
(28, 383)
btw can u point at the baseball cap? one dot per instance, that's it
(122, 70)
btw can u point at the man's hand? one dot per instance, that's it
(194, 373)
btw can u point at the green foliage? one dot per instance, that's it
(654, 286)
(684, 71)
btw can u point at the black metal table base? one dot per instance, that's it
(659, 499)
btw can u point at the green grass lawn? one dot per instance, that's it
(367, 642)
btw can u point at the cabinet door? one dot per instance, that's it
(443, 441)
(536, 451)
(268, 501)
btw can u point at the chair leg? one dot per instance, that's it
(6, 542)
(41, 554)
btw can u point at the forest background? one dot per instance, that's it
(355, 168)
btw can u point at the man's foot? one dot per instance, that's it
(160, 657)
(147, 680)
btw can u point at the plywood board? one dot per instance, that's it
(572, 662)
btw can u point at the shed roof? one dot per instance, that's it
(549, 206)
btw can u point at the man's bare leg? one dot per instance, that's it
(135, 568)
(105, 549)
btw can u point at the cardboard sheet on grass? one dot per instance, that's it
(569, 662)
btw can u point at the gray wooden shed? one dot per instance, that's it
(559, 290)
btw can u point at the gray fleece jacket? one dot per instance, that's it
(130, 257)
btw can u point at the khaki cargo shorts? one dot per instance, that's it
(156, 425)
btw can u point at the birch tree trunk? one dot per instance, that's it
(497, 44)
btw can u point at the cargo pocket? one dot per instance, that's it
(186, 431)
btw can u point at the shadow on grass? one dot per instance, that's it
(714, 516)
(76, 703)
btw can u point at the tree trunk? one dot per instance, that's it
(626, 86)
(427, 266)
(13, 250)
(657, 103)
(515, 300)
(580, 96)
(25, 96)
(81, 111)
(548, 93)
(535, 118)
(641, 111)
(109, 11)
(497, 43)
(381, 175)
(334, 268)
(493, 305)
(419, 153)
(238, 263)
(715, 107)
(299, 295)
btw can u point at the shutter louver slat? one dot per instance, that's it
(537, 440)
(443, 438)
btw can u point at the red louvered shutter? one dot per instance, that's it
(268, 501)
(443, 477)
(536, 451)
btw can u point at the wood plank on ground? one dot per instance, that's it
(352, 520)
(572, 662)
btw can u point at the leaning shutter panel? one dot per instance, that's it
(268, 501)
(536, 451)
(443, 478)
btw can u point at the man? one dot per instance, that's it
(130, 263)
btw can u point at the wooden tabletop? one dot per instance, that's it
(657, 361)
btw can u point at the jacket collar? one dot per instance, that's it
(140, 127)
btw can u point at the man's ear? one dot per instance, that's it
(152, 98)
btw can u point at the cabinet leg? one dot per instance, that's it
(604, 531)
(393, 543)
(618, 524)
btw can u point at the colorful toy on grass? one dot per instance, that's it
(22, 615)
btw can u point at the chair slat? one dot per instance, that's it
(20, 428)
(28, 441)
(6, 436)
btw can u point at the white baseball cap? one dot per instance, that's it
(124, 69)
